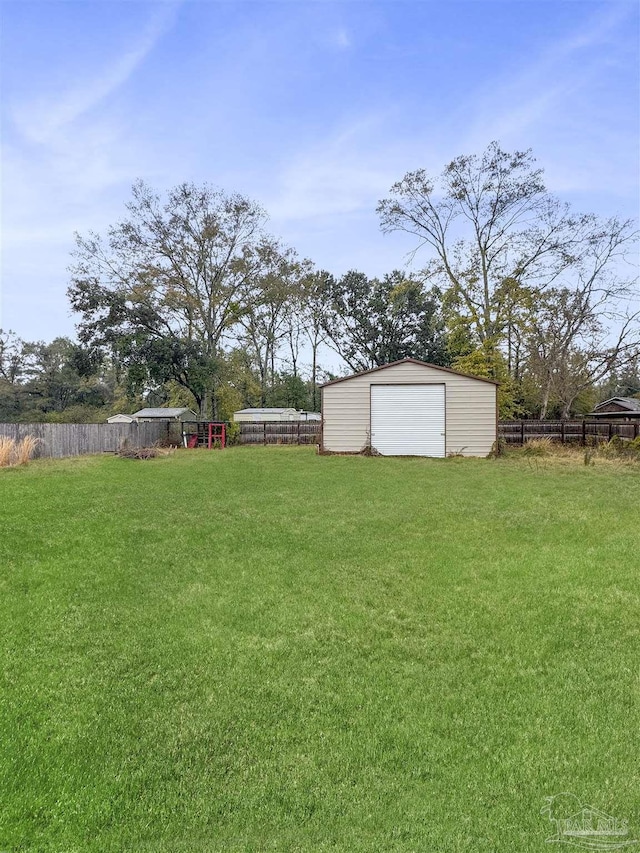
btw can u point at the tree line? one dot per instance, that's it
(189, 300)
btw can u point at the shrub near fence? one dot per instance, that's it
(58, 440)
(280, 432)
(566, 432)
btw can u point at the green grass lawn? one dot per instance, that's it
(264, 649)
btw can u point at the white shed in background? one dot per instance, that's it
(120, 419)
(410, 408)
(273, 414)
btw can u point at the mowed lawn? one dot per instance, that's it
(264, 649)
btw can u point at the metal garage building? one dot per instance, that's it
(410, 408)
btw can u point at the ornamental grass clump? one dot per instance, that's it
(538, 447)
(26, 449)
(7, 446)
(14, 452)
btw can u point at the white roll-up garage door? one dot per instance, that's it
(408, 420)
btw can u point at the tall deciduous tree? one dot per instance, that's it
(13, 357)
(270, 303)
(623, 381)
(497, 238)
(170, 282)
(572, 347)
(14, 365)
(316, 291)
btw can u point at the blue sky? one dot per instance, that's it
(312, 108)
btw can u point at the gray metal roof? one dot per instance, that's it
(161, 412)
(630, 403)
(263, 411)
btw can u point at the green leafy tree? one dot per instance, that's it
(316, 288)
(290, 391)
(271, 302)
(240, 384)
(170, 283)
(370, 322)
(14, 365)
(489, 363)
(58, 383)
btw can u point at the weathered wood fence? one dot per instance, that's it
(280, 432)
(575, 432)
(57, 440)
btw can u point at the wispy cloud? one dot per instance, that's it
(342, 39)
(63, 158)
(314, 109)
(41, 120)
(546, 89)
(341, 173)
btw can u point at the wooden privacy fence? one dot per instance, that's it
(57, 440)
(575, 432)
(280, 432)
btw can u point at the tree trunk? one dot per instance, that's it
(205, 404)
(566, 409)
(263, 381)
(546, 393)
(294, 354)
(314, 369)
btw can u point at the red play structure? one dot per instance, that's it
(209, 434)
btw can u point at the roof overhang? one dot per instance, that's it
(410, 361)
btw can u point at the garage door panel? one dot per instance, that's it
(408, 420)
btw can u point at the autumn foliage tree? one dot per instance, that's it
(171, 281)
(498, 242)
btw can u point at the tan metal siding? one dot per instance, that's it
(470, 409)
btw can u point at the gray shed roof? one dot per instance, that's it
(161, 412)
(263, 411)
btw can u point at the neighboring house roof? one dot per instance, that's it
(162, 412)
(621, 406)
(263, 411)
(410, 361)
(630, 404)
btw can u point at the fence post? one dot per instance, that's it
(265, 433)
(298, 432)
(584, 433)
(522, 433)
(561, 432)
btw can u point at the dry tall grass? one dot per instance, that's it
(17, 452)
(614, 453)
(7, 449)
(26, 449)
(539, 447)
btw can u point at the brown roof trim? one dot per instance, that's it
(631, 404)
(626, 413)
(409, 361)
